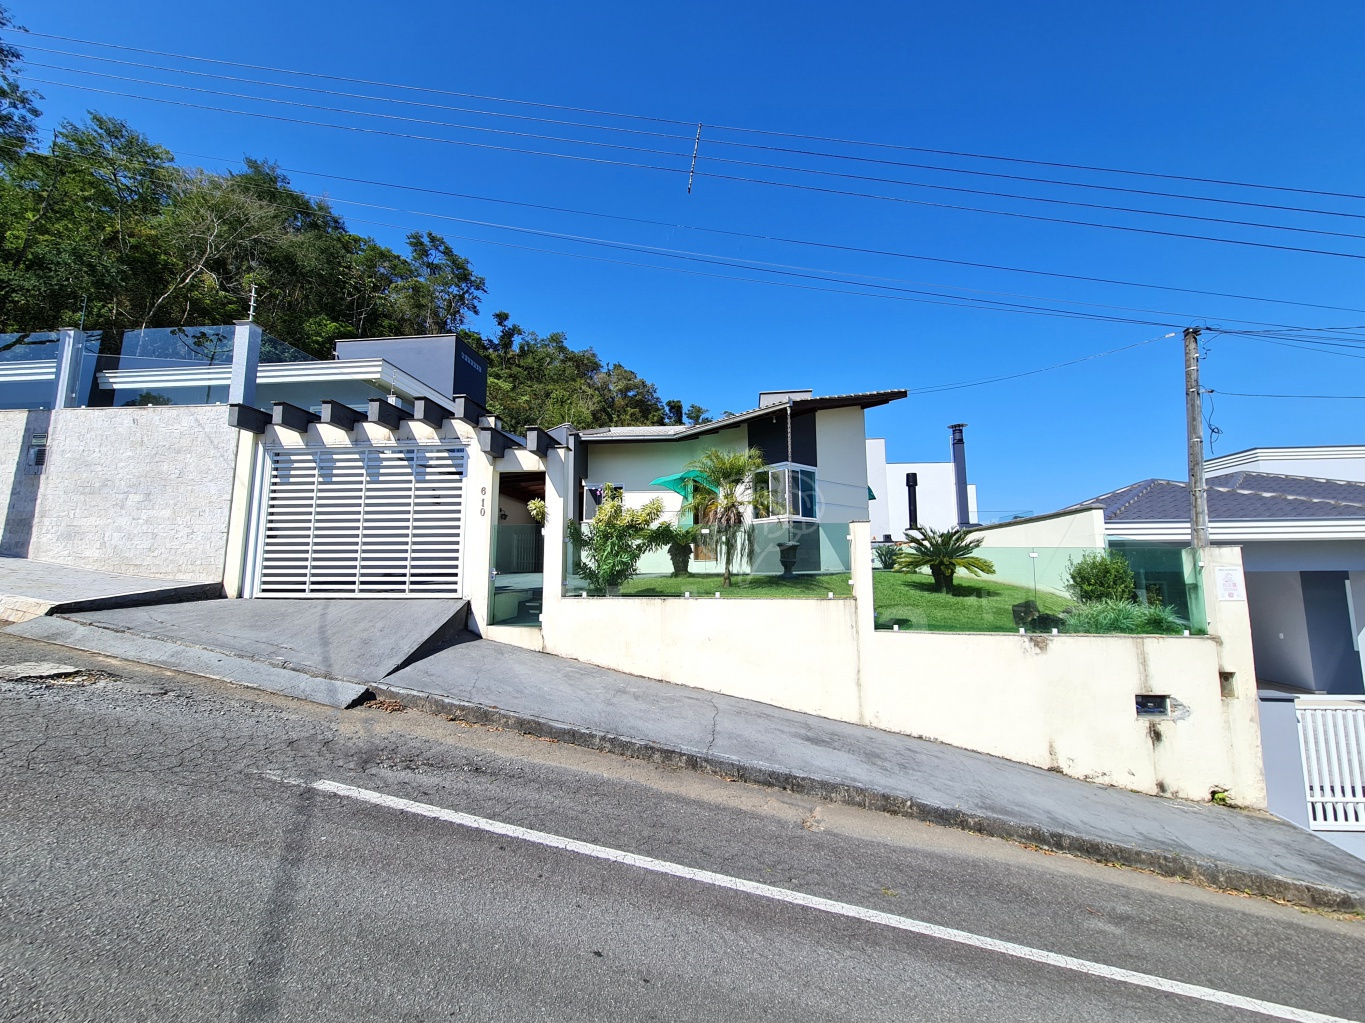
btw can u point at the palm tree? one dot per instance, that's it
(722, 500)
(943, 553)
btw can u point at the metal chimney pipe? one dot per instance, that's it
(964, 514)
(912, 490)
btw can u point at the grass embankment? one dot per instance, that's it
(744, 586)
(975, 605)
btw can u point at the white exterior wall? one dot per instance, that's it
(841, 475)
(143, 491)
(936, 493)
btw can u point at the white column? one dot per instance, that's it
(246, 355)
(1355, 595)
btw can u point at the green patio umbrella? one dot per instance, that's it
(678, 482)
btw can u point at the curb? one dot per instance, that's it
(1209, 872)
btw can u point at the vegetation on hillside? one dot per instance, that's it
(101, 226)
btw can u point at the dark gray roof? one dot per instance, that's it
(1236, 495)
(866, 399)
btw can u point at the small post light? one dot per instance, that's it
(718, 594)
(687, 594)
(831, 595)
(896, 627)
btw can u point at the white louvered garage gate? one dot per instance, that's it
(362, 521)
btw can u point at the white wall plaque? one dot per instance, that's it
(1229, 582)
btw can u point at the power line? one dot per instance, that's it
(659, 134)
(1033, 372)
(878, 285)
(689, 122)
(1315, 397)
(717, 176)
(760, 165)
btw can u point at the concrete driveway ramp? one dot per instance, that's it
(364, 640)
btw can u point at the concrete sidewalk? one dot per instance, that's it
(29, 589)
(545, 695)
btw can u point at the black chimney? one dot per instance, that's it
(964, 513)
(911, 487)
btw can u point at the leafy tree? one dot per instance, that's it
(944, 553)
(18, 106)
(611, 545)
(723, 507)
(1100, 575)
(697, 415)
(673, 412)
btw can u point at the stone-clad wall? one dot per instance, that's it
(143, 491)
(19, 480)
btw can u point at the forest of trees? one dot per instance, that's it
(100, 225)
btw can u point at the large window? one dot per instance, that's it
(785, 491)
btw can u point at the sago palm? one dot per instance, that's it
(724, 506)
(944, 553)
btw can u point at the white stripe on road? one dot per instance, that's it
(1007, 948)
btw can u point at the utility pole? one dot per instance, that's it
(1194, 427)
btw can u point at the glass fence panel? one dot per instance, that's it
(769, 558)
(28, 370)
(1030, 588)
(518, 574)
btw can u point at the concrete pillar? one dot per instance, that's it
(1225, 605)
(71, 369)
(860, 550)
(481, 512)
(246, 356)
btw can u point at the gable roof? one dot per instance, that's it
(865, 399)
(1236, 495)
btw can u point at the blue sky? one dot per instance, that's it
(1256, 92)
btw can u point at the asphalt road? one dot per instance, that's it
(166, 857)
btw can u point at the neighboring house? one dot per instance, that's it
(914, 494)
(815, 451)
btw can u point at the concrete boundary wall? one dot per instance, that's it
(1064, 703)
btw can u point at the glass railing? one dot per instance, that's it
(1031, 589)
(28, 370)
(817, 564)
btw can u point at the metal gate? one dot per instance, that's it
(362, 521)
(1332, 740)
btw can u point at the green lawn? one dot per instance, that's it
(749, 586)
(976, 605)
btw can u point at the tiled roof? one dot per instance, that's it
(633, 431)
(1237, 495)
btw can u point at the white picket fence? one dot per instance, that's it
(1332, 741)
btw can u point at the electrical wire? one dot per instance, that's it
(690, 122)
(1033, 372)
(1314, 397)
(878, 285)
(722, 177)
(754, 164)
(659, 134)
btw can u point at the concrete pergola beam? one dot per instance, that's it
(538, 440)
(387, 414)
(430, 412)
(248, 418)
(291, 417)
(468, 410)
(338, 414)
(492, 442)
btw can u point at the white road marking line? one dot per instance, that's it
(1006, 948)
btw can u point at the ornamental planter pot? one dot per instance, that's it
(786, 554)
